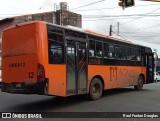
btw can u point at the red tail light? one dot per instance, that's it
(41, 73)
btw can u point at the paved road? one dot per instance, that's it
(118, 100)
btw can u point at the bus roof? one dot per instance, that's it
(24, 23)
(105, 35)
(81, 30)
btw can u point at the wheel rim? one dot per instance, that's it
(96, 89)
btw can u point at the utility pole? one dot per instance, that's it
(118, 28)
(68, 15)
(55, 9)
(61, 17)
(110, 30)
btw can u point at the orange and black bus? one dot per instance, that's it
(41, 58)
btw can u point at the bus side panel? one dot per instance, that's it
(116, 76)
(56, 75)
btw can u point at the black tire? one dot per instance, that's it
(41, 88)
(156, 80)
(139, 86)
(95, 89)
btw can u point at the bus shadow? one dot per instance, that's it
(54, 103)
(51, 104)
(119, 91)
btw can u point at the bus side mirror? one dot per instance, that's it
(155, 57)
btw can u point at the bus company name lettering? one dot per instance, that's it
(118, 73)
(17, 65)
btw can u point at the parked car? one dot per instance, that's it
(156, 76)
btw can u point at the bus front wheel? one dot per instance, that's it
(139, 86)
(95, 89)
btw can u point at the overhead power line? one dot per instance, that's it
(144, 36)
(136, 31)
(148, 27)
(139, 17)
(110, 19)
(122, 36)
(133, 15)
(114, 7)
(92, 3)
(102, 16)
(138, 36)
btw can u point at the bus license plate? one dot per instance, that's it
(18, 85)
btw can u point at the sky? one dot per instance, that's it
(140, 24)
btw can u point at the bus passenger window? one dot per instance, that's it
(133, 54)
(55, 37)
(142, 57)
(138, 55)
(123, 53)
(117, 52)
(99, 49)
(129, 53)
(91, 53)
(106, 50)
(111, 51)
(92, 48)
(55, 53)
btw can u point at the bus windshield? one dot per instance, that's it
(20, 40)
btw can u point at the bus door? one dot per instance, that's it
(76, 67)
(150, 68)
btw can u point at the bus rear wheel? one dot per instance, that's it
(95, 89)
(139, 86)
